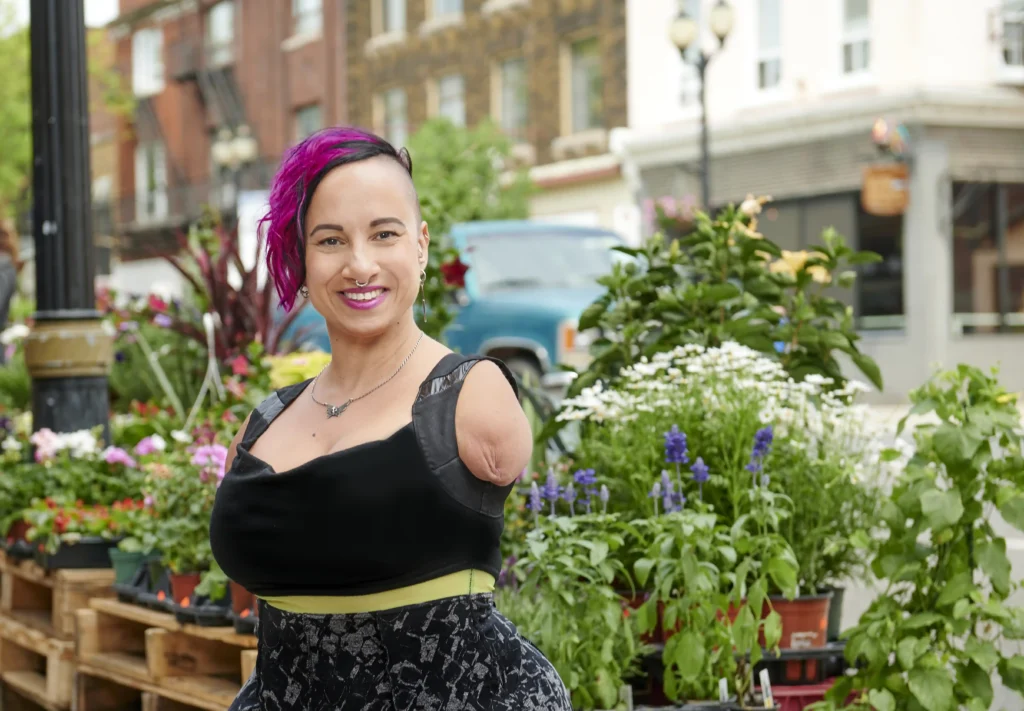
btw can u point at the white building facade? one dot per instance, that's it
(791, 99)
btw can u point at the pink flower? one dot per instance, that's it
(150, 445)
(148, 501)
(47, 444)
(116, 455)
(240, 366)
(213, 458)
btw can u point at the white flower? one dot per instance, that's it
(14, 334)
(181, 436)
(11, 445)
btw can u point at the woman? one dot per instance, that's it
(364, 507)
(9, 268)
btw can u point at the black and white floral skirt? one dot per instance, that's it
(456, 654)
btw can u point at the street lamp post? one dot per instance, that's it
(684, 32)
(68, 353)
(233, 151)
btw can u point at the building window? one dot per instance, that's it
(1013, 33)
(220, 33)
(442, 8)
(512, 98)
(988, 257)
(394, 119)
(308, 120)
(769, 45)
(307, 16)
(150, 182)
(148, 62)
(879, 285)
(856, 36)
(389, 16)
(451, 99)
(586, 85)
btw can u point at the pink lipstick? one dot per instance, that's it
(364, 298)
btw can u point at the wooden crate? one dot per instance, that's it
(47, 601)
(39, 668)
(151, 651)
(93, 693)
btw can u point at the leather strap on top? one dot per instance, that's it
(433, 417)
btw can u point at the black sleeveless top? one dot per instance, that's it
(374, 517)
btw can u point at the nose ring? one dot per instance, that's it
(361, 284)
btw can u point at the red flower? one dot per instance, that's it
(240, 366)
(157, 304)
(454, 273)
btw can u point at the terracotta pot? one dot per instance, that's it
(241, 599)
(804, 621)
(183, 585)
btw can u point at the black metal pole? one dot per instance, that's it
(68, 352)
(705, 171)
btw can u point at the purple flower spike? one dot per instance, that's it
(586, 479)
(700, 475)
(675, 447)
(570, 497)
(535, 504)
(552, 492)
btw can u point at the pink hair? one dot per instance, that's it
(302, 168)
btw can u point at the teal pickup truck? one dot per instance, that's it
(526, 286)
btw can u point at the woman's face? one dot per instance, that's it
(363, 225)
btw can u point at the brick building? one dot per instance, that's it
(202, 70)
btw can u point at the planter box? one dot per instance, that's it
(87, 553)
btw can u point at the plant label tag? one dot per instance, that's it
(723, 690)
(766, 689)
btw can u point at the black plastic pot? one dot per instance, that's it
(89, 552)
(21, 550)
(157, 595)
(244, 625)
(203, 613)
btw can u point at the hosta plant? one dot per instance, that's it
(932, 641)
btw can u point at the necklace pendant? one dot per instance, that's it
(335, 410)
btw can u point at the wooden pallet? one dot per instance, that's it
(46, 600)
(39, 668)
(93, 693)
(149, 651)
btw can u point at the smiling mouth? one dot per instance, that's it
(363, 295)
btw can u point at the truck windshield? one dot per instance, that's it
(541, 260)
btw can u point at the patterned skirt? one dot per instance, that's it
(456, 654)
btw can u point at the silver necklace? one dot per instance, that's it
(335, 410)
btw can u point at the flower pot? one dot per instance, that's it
(183, 585)
(89, 552)
(241, 599)
(835, 612)
(125, 564)
(17, 531)
(804, 620)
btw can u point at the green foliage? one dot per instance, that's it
(932, 640)
(566, 603)
(133, 377)
(182, 501)
(15, 114)
(459, 177)
(716, 284)
(15, 383)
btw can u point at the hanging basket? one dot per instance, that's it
(885, 190)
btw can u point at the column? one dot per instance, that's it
(68, 353)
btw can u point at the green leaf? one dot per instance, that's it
(642, 568)
(982, 652)
(591, 316)
(959, 586)
(953, 445)
(1012, 509)
(869, 367)
(942, 508)
(598, 553)
(933, 689)
(882, 700)
(921, 619)
(864, 257)
(783, 573)
(722, 292)
(1011, 671)
(976, 681)
(772, 629)
(991, 556)
(689, 655)
(906, 652)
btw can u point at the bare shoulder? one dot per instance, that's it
(495, 440)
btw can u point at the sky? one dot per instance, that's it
(97, 12)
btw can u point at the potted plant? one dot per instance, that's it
(932, 639)
(565, 602)
(71, 534)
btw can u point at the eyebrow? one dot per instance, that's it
(373, 223)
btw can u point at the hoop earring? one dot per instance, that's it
(423, 294)
(304, 291)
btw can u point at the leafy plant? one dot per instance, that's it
(717, 284)
(459, 174)
(566, 603)
(931, 641)
(57, 521)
